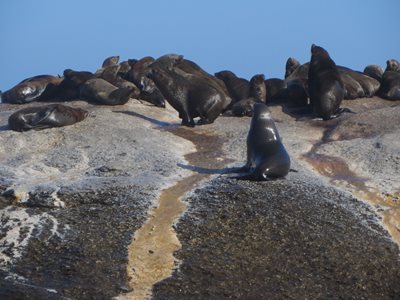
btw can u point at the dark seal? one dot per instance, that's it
(267, 158)
(31, 89)
(189, 94)
(258, 89)
(101, 91)
(244, 107)
(291, 65)
(47, 116)
(325, 86)
(238, 88)
(390, 82)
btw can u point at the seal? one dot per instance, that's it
(69, 88)
(374, 71)
(189, 94)
(148, 89)
(296, 84)
(47, 116)
(244, 107)
(291, 65)
(238, 88)
(190, 67)
(369, 85)
(390, 82)
(112, 75)
(101, 91)
(258, 89)
(274, 87)
(324, 84)
(110, 61)
(267, 158)
(31, 89)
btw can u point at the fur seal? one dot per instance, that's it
(47, 116)
(374, 71)
(238, 88)
(258, 93)
(69, 88)
(190, 67)
(324, 84)
(110, 61)
(258, 89)
(31, 89)
(369, 85)
(103, 92)
(267, 158)
(189, 94)
(274, 87)
(112, 75)
(244, 107)
(291, 65)
(390, 82)
(296, 84)
(148, 90)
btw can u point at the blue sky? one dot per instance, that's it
(246, 37)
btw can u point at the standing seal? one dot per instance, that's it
(325, 86)
(267, 158)
(189, 94)
(47, 116)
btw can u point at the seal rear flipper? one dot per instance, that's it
(119, 96)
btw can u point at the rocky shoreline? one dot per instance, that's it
(91, 185)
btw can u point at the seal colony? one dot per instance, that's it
(318, 86)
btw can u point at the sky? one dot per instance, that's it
(247, 37)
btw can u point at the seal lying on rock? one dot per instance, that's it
(324, 84)
(189, 94)
(390, 82)
(31, 89)
(103, 92)
(374, 71)
(47, 116)
(267, 158)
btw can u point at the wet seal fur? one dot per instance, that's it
(31, 89)
(267, 158)
(189, 94)
(47, 116)
(324, 84)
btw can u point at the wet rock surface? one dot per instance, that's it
(71, 199)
